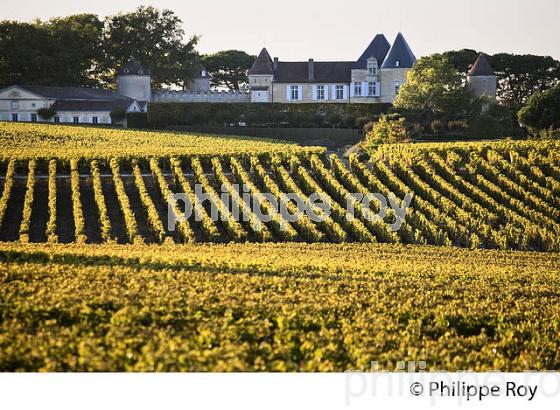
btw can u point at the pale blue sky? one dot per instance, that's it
(340, 30)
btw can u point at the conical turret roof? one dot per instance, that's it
(263, 64)
(400, 52)
(481, 67)
(378, 48)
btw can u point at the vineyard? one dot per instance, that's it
(92, 278)
(249, 307)
(503, 195)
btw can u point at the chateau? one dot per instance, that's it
(375, 77)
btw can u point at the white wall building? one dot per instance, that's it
(78, 105)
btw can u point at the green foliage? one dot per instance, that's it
(59, 51)
(434, 85)
(388, 130)
(266, 114)
(328, 308)
(156, 38)
(228, 68)
(83, 50)
(542, 111)
(519, 76)
(118, 114)
(46, 113)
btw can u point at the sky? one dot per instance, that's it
(340, 30)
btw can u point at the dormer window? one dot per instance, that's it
(126, 70)
(372, 69)
(140, 72)
(397, 63)
(203, 73)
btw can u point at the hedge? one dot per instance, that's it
(265, 114)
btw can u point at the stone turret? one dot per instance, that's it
(481, 79)
(261, 76)
(134, 81)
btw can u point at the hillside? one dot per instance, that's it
(501, 195)
(248, 307)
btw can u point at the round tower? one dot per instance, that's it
(134, 81)
(481, 79)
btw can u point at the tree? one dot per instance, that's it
(433, 85)
(519, 76)
(59, 51)
(156, 39)
(462, 60)
(228, 68)
(542, 111)
(389, 129)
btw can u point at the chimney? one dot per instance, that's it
(275, 63)
(310, 70)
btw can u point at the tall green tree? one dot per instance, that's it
(435, 86)
(59, 51)
(228, 68)
(542, 110)
(519, 76)
(156, 38)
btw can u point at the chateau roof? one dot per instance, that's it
(323, 72)
(481, 67)
(401, 52)
(378, 48)
(75, 93)
(263, 64)
(133, 67)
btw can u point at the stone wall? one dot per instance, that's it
(209, 96)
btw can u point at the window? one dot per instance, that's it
(372, 70)
(372, 88)
(76, 120)
(33, 117)
(397, 87)
(94, 120)
(339, 92)
(294, 92)
(203, 73)
(33, 105)
(320, 92)
(14, 105)
(397, 63)
(14, 117)
(57, 119)
(357, 89)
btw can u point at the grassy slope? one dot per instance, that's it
(276, 307)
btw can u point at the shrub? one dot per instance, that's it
(486, 126)
(437, 127)
(417, 128)
(46, 113)
(349, 120)
(368, 126)
(457, 126)
(542, 111)
(387, 130)
(265, 114)
(118, 114)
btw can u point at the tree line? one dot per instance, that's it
(85, 50)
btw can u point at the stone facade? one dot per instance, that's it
(374, 77)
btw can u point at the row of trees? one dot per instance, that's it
(519, 76)
(84, 50)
